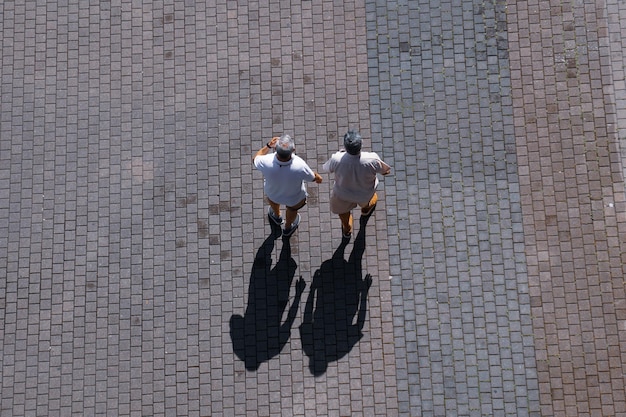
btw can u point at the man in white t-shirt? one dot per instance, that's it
(355, 180)
(285, 175)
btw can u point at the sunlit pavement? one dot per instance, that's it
(139, 275)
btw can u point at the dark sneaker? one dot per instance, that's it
(277, 220)
(293, 227)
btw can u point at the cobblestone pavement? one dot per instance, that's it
(139, 275)
(568, 92)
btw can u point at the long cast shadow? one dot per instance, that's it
(336, 307)
(261, 333)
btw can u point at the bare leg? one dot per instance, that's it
(290, 216)
(370, 204)
(292, 213)
(275, 207)
(346, 222)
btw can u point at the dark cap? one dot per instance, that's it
(352, 141)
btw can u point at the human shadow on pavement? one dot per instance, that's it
(336, 307)
(261, 333)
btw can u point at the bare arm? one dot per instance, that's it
(265, 150)
(386, 169)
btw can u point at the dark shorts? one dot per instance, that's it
(298, 206)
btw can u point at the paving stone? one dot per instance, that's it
(131, 216)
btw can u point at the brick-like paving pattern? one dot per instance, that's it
(132, 215)
(138, 273)
(442, 104)
(571, 175)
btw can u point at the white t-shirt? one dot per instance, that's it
(284, 182)
(355, 175)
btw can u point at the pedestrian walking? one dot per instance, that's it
(356, 180)
(285, 176)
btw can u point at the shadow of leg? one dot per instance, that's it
(337, 296)
(260, 334)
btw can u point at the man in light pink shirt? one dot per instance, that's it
(355, 180)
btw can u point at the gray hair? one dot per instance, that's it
(285, 146)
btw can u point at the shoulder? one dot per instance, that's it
(334, 160)
(264, 160)
(370, 156)
(372, 160)
(338, 156)
(299, 162)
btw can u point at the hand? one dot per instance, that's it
(318, 178)
(368, 281)
(272, 142)
(300, 285)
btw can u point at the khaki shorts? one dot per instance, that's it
(340, 206)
